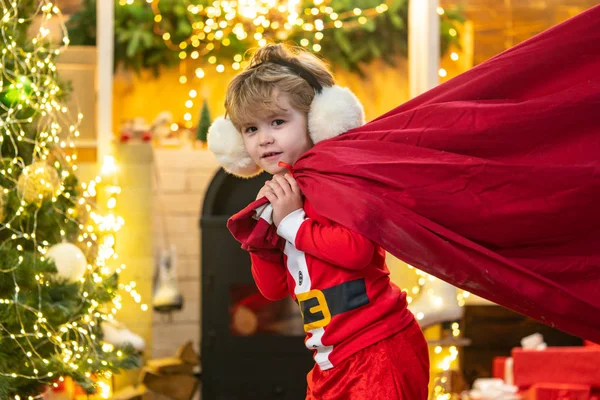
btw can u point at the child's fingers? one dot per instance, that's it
(271, 197)
(267, 190)
(276, 188)
(293, 184)
(285, 185)
(262, 191)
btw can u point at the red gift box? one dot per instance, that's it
(498, 365)
(573, 365)
(502, 368)
(555, 391)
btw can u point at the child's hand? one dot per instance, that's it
(284, 195)
(263, 191)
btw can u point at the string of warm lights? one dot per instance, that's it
(253, 23)
(31, 101)
(441, 380)
(449, 361)
(270, 29)
(256, 23)
(421, 280)
(453, 55)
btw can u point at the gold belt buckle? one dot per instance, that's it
(321, 306)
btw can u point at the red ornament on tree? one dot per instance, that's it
(60, 386)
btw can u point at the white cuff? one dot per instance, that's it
(265, 212)
(289, 226)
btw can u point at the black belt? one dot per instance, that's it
(318, 306)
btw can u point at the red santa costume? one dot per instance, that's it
(356, 320)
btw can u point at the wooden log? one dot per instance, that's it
(176, 387)
(169, 366)
(187, 354)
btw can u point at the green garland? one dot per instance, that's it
(137, 47)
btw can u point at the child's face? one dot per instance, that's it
(281, 136)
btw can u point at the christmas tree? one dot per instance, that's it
(58, 282)
(204, 123)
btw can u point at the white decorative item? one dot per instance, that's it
(534, 342)
(167, 296)
(136, 130)
(117, 334)
(69, 259)
(161, 126)
(437, 303)
(493, 389)
(140, 126)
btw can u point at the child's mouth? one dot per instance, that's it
(270, 156)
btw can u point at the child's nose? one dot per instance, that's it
(265, 137)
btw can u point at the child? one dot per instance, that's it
(366, 342)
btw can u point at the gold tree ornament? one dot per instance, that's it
(38, 182)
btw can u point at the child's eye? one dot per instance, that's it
(251, 129)
(277, 122)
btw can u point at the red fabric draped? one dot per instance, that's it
(490, 181)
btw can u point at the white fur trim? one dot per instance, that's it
(226, 142)
(334, 111)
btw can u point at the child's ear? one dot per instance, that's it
(226, 143)
(334, 111)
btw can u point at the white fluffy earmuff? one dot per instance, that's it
(226, 143)
(332, 112)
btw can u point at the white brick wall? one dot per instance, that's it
(184, 175)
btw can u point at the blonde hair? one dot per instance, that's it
(251, 92)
